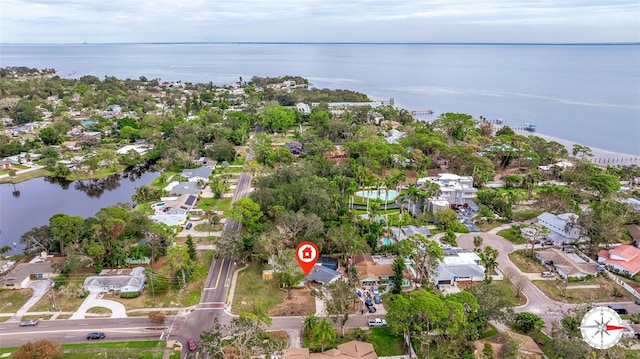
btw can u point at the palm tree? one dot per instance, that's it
(412, 192)
(309, 326)
(489, 258)
(324, 333)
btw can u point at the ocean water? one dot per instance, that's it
(588, 94)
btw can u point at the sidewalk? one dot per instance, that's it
(232, 289)
(40, 288)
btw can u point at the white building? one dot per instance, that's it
(456, 190)
(557, 224)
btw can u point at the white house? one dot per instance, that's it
(197, 174)
(459, 264)
(456, 190)
(116, 280)
(561, 226)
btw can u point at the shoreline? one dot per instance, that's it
(600, 156)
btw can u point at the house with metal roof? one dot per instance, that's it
(562, 227)
(116, 280)
(459, 265)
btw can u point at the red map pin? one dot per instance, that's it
(307, 255)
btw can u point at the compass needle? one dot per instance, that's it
(601, 327)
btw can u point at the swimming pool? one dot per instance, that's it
(386, 241)
(389, 195)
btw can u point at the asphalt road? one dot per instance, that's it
(73, 331)
(216, 290)
(538, 303)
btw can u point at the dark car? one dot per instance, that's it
(191, 344)
(638, 302)
(189, 225)
(372, 309)
(368, 303)
(95, 335)
(618, 309)
(29, 323)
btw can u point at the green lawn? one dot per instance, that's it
(21, 177)
(525, 263)
(385, 342)
(163, 179)
(229, 170)
(101, 173)
(91, 349)
(520, 216)
(11, 300)
(144, 208)
(512, 235)
(209, 204)
(252, 289)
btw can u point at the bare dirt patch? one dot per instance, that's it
(302, 303)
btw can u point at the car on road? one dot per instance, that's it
(29, 323)
(377, 322)
(546, 274)
(191, 344)
(95, 335)
(618, 308)
(189, 225)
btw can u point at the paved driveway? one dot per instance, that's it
(94, 300)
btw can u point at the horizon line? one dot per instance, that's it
(320, 43)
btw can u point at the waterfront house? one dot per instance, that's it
(197, 174)
(624, 259)
(181, 188)
(116, 280)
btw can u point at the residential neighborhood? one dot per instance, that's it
(429, 244)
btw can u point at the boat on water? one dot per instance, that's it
(530, 127)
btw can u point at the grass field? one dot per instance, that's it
(209, 204)
(12, 300)
(385, 342)
(21, 177)
(251, 289)
(526, 264)
(512, 235)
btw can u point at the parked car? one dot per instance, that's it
(638, 302)
(191, 344)
(376, 291)
(377, 322)
(372, 309)
(189, 225)
(546, 274)
(29, 323)
(368, 303)
(618, 308)
(95, 335)
(377, 299)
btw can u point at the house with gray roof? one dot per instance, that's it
(189, 188)
(197, 174)
(116, 280)
(561, 226)
(404, 232)
(323, 275)
(459, 265)
(24, 273)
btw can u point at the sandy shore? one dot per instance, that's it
(600, 156)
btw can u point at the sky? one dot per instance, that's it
(527, 21)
